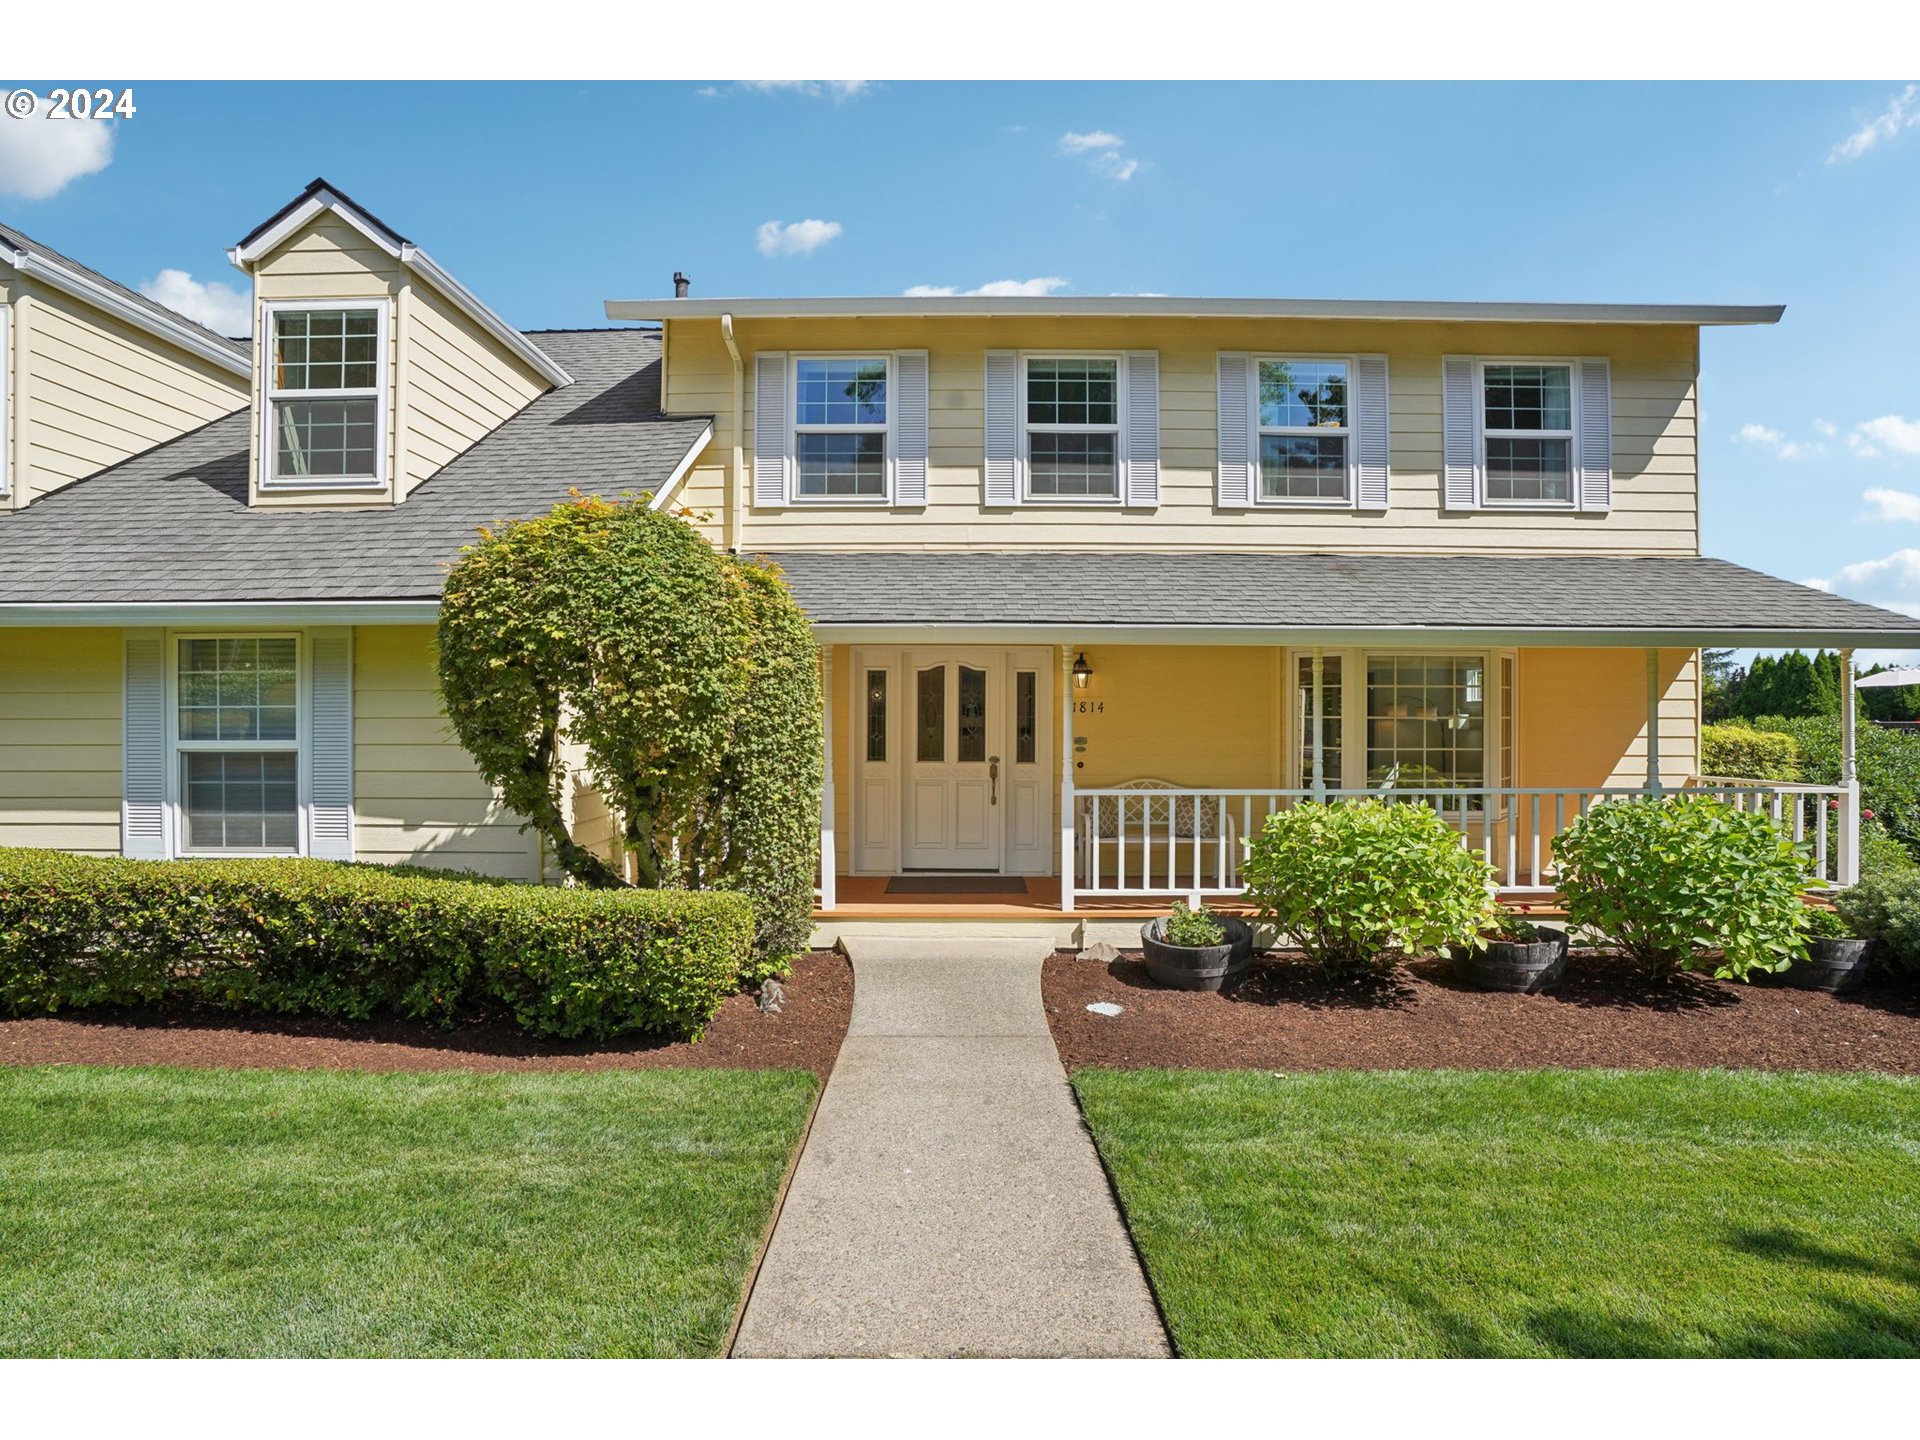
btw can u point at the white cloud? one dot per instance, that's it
(1826, 428)
(1101, 151)
(220, 308)
(835, 90)
(1902, 113)
(1893, 504)
(1039, 285)
(1890, 432)
(801, 237)
(1767, 438)
(1857, 443)
(709, 92)
(1885, 581)
(40, 157)
(1759, 435)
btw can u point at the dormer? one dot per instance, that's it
(373, 366)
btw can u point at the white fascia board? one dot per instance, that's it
(672, 483)
(1126, 306)
(240, 614)
(267, 241)
(89, 291)
(1425, 636)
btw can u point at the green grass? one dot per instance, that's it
(183, 1212)
(1695, 1213)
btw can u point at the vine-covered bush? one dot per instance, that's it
(309, 937)
(1886, 907)
(1743, 753)
(1684, 883)
(1353, 882)
(684, 682)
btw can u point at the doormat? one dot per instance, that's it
(956, 885)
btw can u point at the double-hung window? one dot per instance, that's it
(840, 427)
(1072, 409)
(237, 744)
(1527, 432)
(1304, 432)
(325, 420)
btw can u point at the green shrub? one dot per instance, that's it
(1743, 753)
(1686, 881)
(1889, 764)
(1886, 907)
(1823, 924)
(312, 938)
(1195, 928)
(1512, 926)
(1351, 882)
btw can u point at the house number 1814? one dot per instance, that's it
(1089, 707)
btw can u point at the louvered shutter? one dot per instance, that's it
(1235, 486)
(143, 747)
(1003, 427)
(1460, 485)
(770, 429)
(910, 428)
(330, 744)
(1143, 428)
(1596, 435)
(1370, 432)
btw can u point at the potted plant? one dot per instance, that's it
(1515, 954)
(1195, 949)
(1837, 959)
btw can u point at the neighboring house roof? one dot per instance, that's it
(320, 196)
(920, 306)
(1090, 596)
(172, 525)
(42, 262)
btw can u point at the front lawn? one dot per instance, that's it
(1439, 1213)
(194, 1212)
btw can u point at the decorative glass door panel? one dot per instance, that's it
(955, 778)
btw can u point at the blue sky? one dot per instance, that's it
(547, 199)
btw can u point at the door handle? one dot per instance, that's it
(993, 777)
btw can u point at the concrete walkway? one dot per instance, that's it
(949, 1200)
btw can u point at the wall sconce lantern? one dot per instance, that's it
(1082, 672)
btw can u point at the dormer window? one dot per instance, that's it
(326, 397)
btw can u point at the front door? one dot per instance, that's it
(954, 774)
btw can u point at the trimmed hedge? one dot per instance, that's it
(1743, 753)
(311, 937)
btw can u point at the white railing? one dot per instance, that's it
(1131, 841)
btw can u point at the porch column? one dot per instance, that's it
(1653, 722)
(1066, 779)
(829, 862)
(1847, 858)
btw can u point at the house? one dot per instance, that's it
(1098, 583)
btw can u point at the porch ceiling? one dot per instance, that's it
(1144, 597)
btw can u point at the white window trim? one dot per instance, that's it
(6, 398)
(382, 308)
(301, 744)
(1571, 436)
(1353, 722)
(1256, 430)
(1118, 430)
(795, 430)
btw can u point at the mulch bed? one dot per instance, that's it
(1286, 1017)
(805, 1034)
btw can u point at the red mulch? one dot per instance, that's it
(806, 1034)
(1285, 1017)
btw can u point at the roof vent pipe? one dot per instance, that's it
(680, 283)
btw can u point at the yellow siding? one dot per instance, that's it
(1655, 466)
(60, 739)
(88, 390)
(417, 797)
(1583, 717)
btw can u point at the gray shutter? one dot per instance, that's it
(330, 744)
(1237, 403)
(770, 428)
(1596, 435)
(1460, 487)
(1003, 427)
(1370, 431)
(1143, 428)
(910, 427)
(143, 747)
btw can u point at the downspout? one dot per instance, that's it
(736, 470)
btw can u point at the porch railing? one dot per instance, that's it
(1172, 842)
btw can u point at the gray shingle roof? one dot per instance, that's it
(17, 241)
(1089, 592)
(172, 525)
